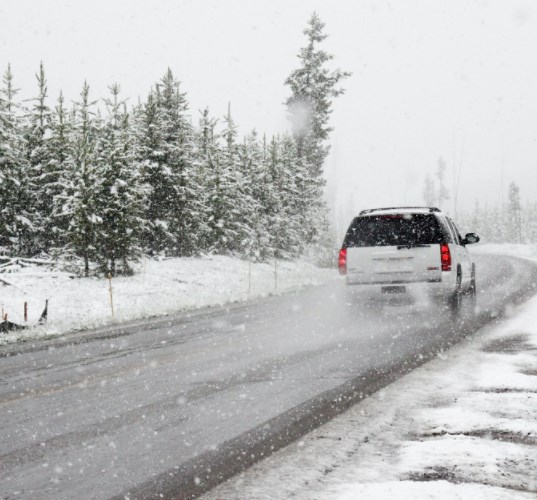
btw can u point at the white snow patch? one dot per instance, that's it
(157, 288)
(516, 250)
(423, 491)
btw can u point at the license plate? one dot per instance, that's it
(393, 289)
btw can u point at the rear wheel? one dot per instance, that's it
(455, 301)
(472, 295)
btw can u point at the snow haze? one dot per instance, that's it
(430, 79)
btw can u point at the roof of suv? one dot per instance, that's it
(399, 210)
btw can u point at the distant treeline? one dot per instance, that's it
(508, 222)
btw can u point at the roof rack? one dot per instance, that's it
(369, 210)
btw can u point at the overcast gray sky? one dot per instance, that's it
(456, 79)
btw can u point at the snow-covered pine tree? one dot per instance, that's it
(313, 87)
(37, 135)
(429, 192)
(206, 133)
(265, 199)
(167, 150)
(475, 224)
(156, 238)
(487, 224)
(16, 230)
(290, 179)
(514, 217)
(530, 222)
(58, 178)
(278, 185)
(179, 141)
(227, 226)
(82, 191)
(498, 225)
(206, 151)
(121, 197)
(442, 191)
(251, 186)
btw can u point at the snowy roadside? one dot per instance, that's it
(461, 426)
(517, 250)
(161, 288)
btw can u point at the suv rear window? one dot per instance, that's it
(394, 230)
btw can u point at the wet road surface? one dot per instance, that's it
(173, 406)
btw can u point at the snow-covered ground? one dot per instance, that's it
(463, 426)
(157, 288)
(518, 250)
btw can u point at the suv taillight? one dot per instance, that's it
(445, 257)
(342, 261)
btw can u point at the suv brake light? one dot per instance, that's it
(342, 261)
(445, 257)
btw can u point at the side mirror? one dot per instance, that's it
(470, 238)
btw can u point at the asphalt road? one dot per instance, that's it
(173, 406)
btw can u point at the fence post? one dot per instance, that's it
(44, 315)
(26, 312)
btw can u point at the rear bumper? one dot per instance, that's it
(437, 288)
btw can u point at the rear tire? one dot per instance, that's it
(472, 295)
(455, 301)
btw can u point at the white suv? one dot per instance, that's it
(409, 250)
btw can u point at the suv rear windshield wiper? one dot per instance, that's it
(415, 245)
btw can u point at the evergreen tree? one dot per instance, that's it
(157, 176)
(121, 197)
(81, 193)
(442, 192)
(313, 86)
(16, 229)
(477, 220)
(226, 222)
(37, 134)
(58, 177)
(530, 222)
(514, 217)
(429, 192)
(288, 199)
(178, 137)
(206, 153)
(498, 225)
(167, 148)
(254, 191)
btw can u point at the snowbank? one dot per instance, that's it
(517, 250)
(157, 288)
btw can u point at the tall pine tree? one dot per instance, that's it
(313, 87)
(16, 229)
(122, 195)
(82, 190)
(38, 123)
(167, 150)
(58, 171)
